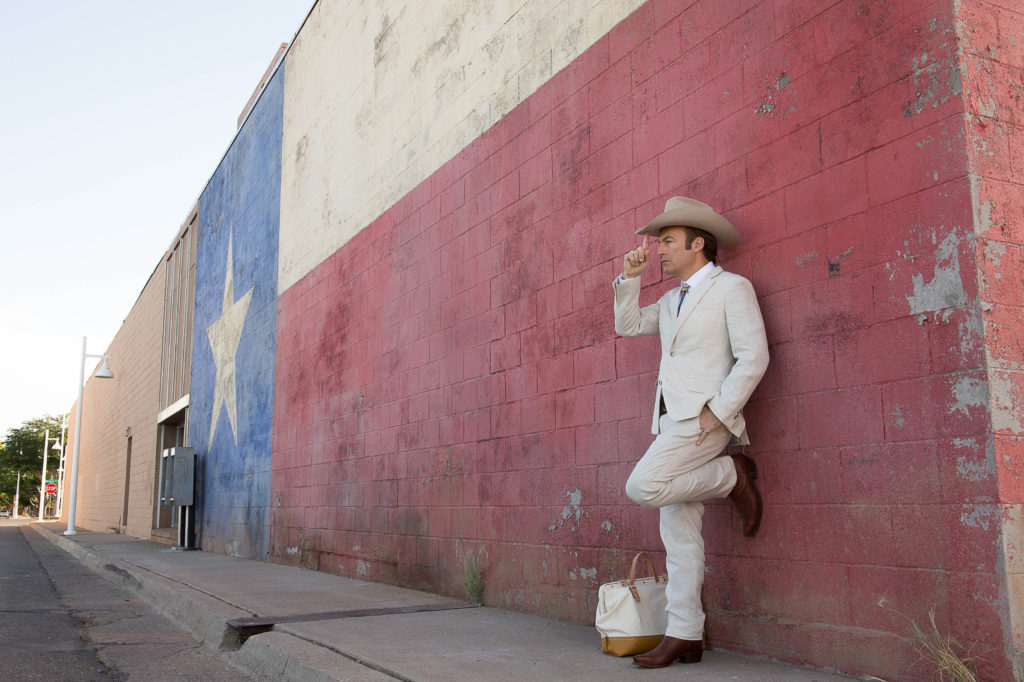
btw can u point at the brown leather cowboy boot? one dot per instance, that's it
(744, 494)
(671, 649)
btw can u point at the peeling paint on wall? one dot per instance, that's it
(936, 80)
(1007, 398)
(973, 470)
(971, 334)
(946, 288)
(980, 516)
(585, 574)
(982, 209)
(575, 498)
(769, 101)
(967, 393)
(572, 512)
(994, 251)
(801, 261)
(897, 416)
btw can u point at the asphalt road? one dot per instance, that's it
(61, 621)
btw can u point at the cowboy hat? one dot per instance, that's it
(685, 212)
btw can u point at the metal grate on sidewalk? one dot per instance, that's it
(247, 627)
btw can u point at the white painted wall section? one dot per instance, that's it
(379, 95)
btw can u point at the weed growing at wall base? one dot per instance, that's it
(950, 660)
(472, 575)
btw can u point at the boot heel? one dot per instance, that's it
(691, 656)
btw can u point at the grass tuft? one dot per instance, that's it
(473, 575)
(950, 660)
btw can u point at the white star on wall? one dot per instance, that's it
(224, 335)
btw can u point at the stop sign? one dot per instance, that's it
(51, 488)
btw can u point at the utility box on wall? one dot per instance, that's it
(178, 477)
(178, 489)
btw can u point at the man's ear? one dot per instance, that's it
(697, 244)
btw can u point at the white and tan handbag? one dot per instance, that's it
(631, 613)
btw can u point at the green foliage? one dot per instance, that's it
(22, 451)
(473, 574)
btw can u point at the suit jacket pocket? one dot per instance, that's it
(687, 402)
(702, 385)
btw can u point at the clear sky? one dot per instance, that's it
(114, 115)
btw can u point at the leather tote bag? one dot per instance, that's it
(631, 613)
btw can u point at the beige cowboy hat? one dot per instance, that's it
(686, 212)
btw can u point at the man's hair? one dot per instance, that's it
(710, 249)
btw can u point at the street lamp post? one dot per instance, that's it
(42, 484)
(60, 467)
(42, 481)
(17, 494)
(102, 373)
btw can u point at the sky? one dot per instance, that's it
(113, 117)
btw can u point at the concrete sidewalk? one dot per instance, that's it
(306, 625)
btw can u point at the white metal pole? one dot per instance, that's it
(72, 498)
(17, 492)
(60, 469)
(42, 484)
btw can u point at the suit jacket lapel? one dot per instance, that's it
(694, 297)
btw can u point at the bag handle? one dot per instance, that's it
(631, 581)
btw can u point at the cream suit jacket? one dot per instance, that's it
(714, 353)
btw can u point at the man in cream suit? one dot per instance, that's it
(713, 354)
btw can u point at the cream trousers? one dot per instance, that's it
(676, 475)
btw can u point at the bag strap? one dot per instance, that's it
(631, 581)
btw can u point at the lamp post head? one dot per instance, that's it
(104, 371)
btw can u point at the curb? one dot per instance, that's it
(202, 615)
(271, 656)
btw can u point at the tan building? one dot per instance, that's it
(131, 418)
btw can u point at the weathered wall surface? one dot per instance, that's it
(450, 399)
(380, 95)
(111, 405)
(992, 44)
(416, 378)
(234, 333)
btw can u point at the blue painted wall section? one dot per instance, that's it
(236, 303)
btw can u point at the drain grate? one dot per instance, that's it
(247, 627)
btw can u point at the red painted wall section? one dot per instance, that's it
(451, 399)
(992, 44)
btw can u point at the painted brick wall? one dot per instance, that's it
(450, 396)
(234, 333)
(993, 69)
(402, 86)
(127, 400)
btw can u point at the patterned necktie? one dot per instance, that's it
(682, 295)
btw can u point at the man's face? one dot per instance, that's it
(677, 260)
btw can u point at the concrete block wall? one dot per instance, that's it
(380, 95)
(428, 387)
(993, 74)
(234, 333)
(450, 398)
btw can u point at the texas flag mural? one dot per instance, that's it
(234, 338)
(404, 360)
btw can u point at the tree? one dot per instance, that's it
(22, 451)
